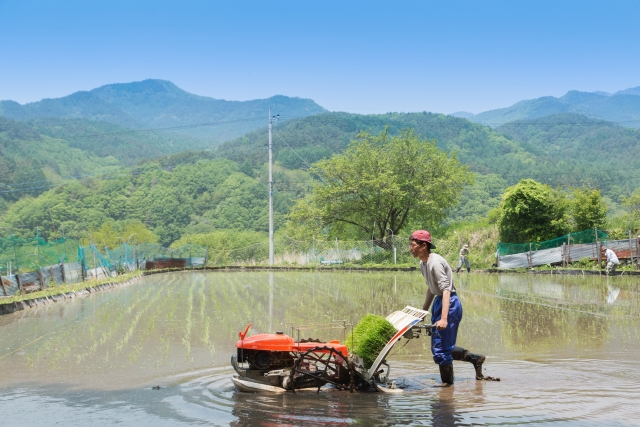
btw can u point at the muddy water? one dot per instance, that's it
(565, 348)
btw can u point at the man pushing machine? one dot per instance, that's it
(446, 312)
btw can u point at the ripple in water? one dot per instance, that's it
(563, 392)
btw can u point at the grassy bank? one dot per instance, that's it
(63, 289)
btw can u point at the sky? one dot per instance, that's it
(357, 56)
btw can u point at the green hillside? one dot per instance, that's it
(573, 150)
(195, 197)
(560, 150)
(28, 160)
(622, 107)
(195, 192)
(36, 151)
(318, 136)
(153, 104)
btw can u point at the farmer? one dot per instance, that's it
(612, 260)
(463, 259)
(446, 312)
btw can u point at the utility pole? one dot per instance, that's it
(271, 120)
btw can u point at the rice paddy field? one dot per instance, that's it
(566, 350)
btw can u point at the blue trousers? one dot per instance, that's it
(442, 342)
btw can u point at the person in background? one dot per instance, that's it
(446, 312)
(463, 259)
(612, 260)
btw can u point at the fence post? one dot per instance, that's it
(41, 278)
(637, 254)
(598, 248)
(564, 254)
(19, 283)
(530, 257)
(630, 248)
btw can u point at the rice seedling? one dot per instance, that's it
(369, 337)
(205, 335)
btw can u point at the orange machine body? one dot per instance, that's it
(281, 342)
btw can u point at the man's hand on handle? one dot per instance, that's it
(441, 324)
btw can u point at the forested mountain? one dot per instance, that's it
(487, 152)
(566, 150)
(153, 104)
(575, 150)
(622, 107)
(321, 135)
(196, 197)
(34, 151)
(195, 192)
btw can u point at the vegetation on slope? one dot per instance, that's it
(192, 198)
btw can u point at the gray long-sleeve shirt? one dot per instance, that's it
(438, 274)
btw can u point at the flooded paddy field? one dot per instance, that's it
(566, 350)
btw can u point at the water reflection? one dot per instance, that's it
(443, 409)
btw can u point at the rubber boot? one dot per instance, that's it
(469, 270)
(476, 360)
(459, 353)
(458, 270)
(446, 373)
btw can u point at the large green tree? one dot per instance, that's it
(532, 212)
(382, 182)
(587, 209)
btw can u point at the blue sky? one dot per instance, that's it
(364, 57)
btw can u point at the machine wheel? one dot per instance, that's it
(319, 366)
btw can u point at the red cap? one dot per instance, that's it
(422, 236)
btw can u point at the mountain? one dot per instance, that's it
(153, 104)
(574, 150)
(566, 150)
(193, 192)
(319, 136)
(622, 107)
(574, 137)
(630, 91)
(35, 151)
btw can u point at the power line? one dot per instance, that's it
(127, 132)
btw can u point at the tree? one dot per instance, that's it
(632, 204)
(115, 233)
(587, 209)
(379, 183)
(532, 212)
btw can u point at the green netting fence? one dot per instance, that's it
(18, 255)
(582, 237)
(30, 265)
(29, 254)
